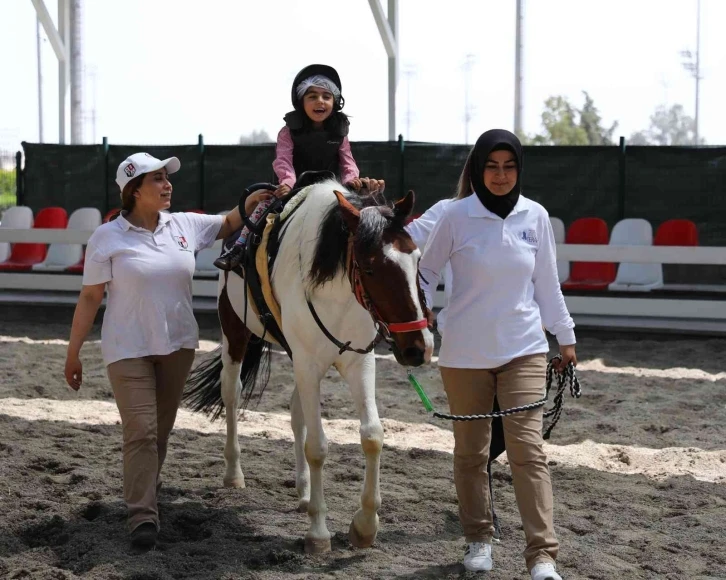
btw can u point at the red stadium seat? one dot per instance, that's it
(678, 232)
(589, 275)
(24, 255)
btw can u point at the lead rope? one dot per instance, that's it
(563, 379)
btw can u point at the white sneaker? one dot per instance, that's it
(478, 557)
(545, 571)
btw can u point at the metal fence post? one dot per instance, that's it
(401, 166)
(622, 163)
(106, 207)
(19, 185)
(201, 171)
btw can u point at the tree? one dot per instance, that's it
(564, 124)
(668, 127)
(255, 138)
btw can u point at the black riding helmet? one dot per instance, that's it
(317, 69)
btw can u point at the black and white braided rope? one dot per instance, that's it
(563, 379)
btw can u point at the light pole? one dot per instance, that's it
(693, 66)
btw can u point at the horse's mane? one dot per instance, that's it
(332, 244)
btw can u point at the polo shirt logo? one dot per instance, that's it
(529, 236)
(182, 241)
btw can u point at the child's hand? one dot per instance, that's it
(354, 184)
(375, 185)
(282, 190)
(372, 185)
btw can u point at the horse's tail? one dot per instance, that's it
(204, 385)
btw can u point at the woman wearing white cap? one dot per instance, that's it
(145, 259)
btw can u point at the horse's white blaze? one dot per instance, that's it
(409, 264)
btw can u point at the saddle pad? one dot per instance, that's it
(263, 272)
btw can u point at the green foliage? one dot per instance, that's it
(565, 124)
(668, 127)
(7, 188)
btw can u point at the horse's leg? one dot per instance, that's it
(302, 471)
(360, 375)
(307, 378)
(235, 337)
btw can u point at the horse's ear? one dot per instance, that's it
(403, 207)
(351, 216)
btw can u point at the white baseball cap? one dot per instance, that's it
(140, 163)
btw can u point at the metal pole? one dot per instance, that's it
(76, 66)
(40, 82)
(19, 185)
(698, 62)
(468, 64)
(392, 70)
(63, 69)
(518, 71)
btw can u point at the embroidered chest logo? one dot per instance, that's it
(182, 242)
(529, 236)
(130, 170)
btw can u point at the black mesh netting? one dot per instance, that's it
(229, 169)
(69, 176)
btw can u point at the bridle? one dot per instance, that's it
(384, 330)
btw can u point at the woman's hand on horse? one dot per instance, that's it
(74, 372)
(567, 352)
(257, 197)
(431, 318)
(372, 185)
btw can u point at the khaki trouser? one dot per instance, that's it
(148, 392)
(471, 392)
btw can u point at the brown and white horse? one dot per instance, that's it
(352, 265)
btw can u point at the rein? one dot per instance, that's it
(384, 330)
(565, 379)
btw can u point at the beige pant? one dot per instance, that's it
(148, 391)
(471, 392)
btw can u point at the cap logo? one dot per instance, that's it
(130, 170)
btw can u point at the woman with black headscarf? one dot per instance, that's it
(505, 289)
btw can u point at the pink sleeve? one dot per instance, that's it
(282, 165)
(348, 168)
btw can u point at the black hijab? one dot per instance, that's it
(495, 140)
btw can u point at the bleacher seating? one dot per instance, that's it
(62, 257)
(563, 266)
(24, 255)
(589, 275)
(635, 277)
(16, 218)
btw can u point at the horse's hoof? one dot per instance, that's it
(317, 546)
(302, 506)
(358, 540)
(238, 482)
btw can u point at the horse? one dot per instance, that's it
(345, 274)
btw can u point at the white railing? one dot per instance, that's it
(641, 310)
(565, 252)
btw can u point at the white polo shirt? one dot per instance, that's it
(419, 230)
(149, 276)
(504, 283)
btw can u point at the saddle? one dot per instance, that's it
(261, 251)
